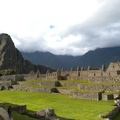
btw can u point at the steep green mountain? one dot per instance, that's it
(51, 60)
(11, 58)
(93, 58)
(44, 58)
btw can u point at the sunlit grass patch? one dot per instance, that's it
(64, 106)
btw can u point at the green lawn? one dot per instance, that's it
(65, 107)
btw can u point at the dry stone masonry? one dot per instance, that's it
(103, 83)
(112, 74)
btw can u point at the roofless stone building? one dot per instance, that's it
(111, 74)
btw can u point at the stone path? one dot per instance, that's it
(4, 114)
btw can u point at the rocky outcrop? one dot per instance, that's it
(48, 114)
(11, 58)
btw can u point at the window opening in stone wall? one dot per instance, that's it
(118, 72)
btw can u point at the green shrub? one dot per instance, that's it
(7, 72)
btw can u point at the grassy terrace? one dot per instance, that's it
(34, 83)
(75, 81)
(65, 107)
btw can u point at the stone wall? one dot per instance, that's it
(105, 88)
(51, 83)
(115, 88)
(86, 95)
(92, 87)
(104, 79)
(6, 82)
(107, 97)
(112, 113)
(12, 78)
(100, 74)
(34, 76)
(33, 89)
(64, 91)
(114, 66)
(65, 84)
(5, 85)
(51, 77)
(64, 73)
(74, 73)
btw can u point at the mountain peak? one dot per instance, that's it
(5, 39)
(11, 58)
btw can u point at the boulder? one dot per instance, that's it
(48, 114)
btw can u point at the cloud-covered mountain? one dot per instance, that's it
(93, 58)
(80, 26)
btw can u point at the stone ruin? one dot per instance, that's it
(111, 74)
(56, 79)
(101, 75)
(97, 76)
(6, 82)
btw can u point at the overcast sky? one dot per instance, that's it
(61, 26)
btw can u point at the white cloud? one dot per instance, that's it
(79, 25)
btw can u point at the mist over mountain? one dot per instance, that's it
(93, 58)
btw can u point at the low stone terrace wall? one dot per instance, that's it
(64, 91)
(5, 85)
(104, 79)
(91, 87)
(6, 82)
(65, 84)
(51, 83)
(33, 89)
(12, 78)
(86, 95)
(113, 88)
(94, 87)
(112, 113)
